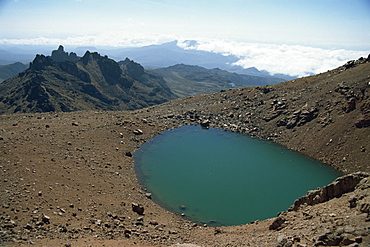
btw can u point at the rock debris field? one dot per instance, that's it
(68, 179)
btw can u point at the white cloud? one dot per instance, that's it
(106, 39)
(294, 60)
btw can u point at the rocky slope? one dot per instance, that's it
(188, 80)
(67, 179)
(10, 70)
(65, 82)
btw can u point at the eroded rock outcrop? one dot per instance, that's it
(61, 56)
(40, 62)
(337, 188)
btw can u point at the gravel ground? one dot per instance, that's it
(68, 179)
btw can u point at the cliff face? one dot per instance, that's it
(64, 82)
(105, 70)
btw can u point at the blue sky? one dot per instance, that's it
(319, 23)
(305, 31)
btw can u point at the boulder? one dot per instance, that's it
(277, 224)
(138, 208)
(138, 132)
(205, 124)
(363, 121)
(46, 219)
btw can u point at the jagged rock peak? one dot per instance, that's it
(132, 68)
(40, 62)
(91, 56)
(60, 49)
(60, 55)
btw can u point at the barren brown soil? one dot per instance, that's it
(67, 179)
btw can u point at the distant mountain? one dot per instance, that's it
(10, 70)
(169, 54)
(185, 80)
(150, 57)
(21, 53)
(93, 82)
(66, 82)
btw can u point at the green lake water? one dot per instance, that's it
(223, 178)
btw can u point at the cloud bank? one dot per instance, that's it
(103, 40)
(294, 60)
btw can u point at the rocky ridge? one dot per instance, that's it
(188, 80)
(68, 178)
(61, 56)
(65, 82)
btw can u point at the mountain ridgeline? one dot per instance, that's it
(170, 53)
(188, 80)
(10, 70)
(66, 82)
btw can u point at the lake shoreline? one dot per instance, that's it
(190, 164)
(69, 179)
